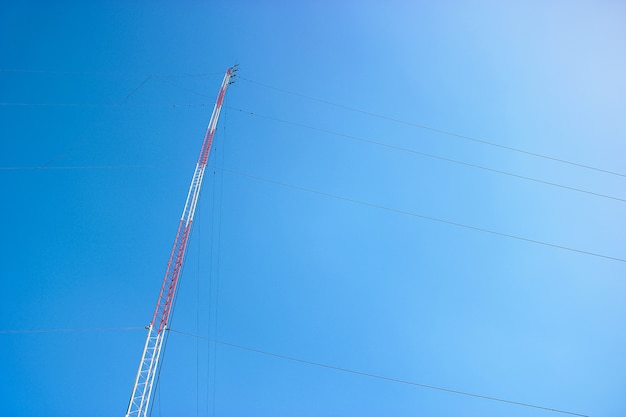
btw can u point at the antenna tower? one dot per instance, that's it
(140, 400)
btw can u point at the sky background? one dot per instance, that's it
(332, 228)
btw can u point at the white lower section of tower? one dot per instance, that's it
(140, 400)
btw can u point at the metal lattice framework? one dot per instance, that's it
(139, 404)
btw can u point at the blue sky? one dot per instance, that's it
(332, 228)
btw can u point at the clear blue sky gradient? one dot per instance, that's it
(310, 244)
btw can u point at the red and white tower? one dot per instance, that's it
(139, 404)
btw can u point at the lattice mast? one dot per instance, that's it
(139, 404)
